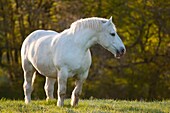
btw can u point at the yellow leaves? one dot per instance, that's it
(135, 15)
(125, 34)
(149, 3)
(1, 19)
(153, 40)
(121, 81)
(152, 44)
(168, 45)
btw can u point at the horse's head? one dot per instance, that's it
(109, 39)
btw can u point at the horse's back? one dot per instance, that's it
(35, 35)
(39, 34)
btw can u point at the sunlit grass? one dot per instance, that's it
(85, 106)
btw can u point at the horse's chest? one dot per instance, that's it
(78, 63)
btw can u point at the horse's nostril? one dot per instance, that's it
(122, 50)
(117, 52)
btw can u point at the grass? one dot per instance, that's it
(85, 106)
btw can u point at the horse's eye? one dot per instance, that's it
(112, 34)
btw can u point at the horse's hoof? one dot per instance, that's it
(74, 102)
(60, 104)
(27, 101)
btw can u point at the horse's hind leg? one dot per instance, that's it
(28, 86)
(49, 87)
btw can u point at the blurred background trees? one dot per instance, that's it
(143, 25)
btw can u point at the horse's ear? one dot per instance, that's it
(107, 23)
(110, 19)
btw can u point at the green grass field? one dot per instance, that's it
(85, 106)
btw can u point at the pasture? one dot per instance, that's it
(90, 106)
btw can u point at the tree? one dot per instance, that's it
(143, 25)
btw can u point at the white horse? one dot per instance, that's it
(66, 54)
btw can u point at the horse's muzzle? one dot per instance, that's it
(120, 52)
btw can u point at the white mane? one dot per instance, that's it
(92, 23)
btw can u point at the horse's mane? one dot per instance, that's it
(92, 23)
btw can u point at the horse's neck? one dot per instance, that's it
(85, 38)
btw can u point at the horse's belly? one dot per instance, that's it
(46, 69)
(44, 65)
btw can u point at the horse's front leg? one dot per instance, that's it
(78, 89)
(49, 87)
(62, 81)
